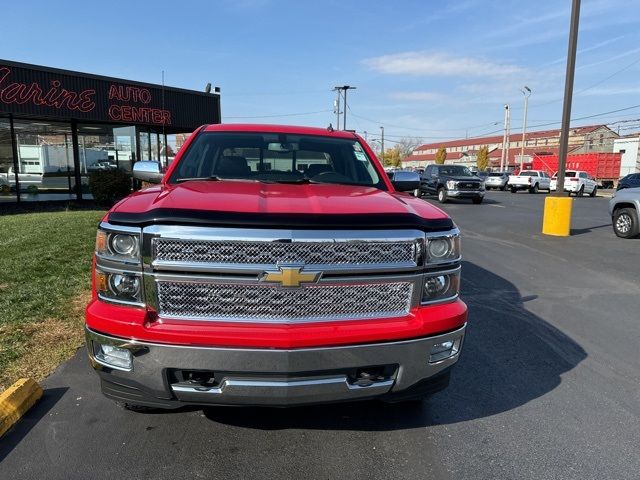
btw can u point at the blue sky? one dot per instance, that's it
(429, 69)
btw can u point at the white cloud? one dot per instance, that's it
(438, 64)
(419, 96)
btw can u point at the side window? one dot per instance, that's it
(583, 175)
(434, 172)
(427, 172)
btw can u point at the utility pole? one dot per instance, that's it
(526, 91)
(382, 144)
(568, 95)
(344, 88)
(336, 107)
(557, 208)
(505, 153)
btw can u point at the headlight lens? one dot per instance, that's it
(119, 287)
(123, 244)
(443, 249)
(441, 286)
(119, 246)
(451, 184)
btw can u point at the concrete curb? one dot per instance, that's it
(16, 401)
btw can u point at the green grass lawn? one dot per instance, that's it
(45, 262)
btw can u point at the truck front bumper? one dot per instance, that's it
(168, 376)
(465, 193)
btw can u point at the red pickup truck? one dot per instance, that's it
(274, 265)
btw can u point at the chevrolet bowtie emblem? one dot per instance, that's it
(290, 276)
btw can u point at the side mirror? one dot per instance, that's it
(147, 172)
(405, 181)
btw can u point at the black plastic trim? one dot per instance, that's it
(378, 221)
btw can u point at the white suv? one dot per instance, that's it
(576, 181)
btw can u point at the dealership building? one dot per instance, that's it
(58, 126)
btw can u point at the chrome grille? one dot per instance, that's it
(265, 303)
(271, 253)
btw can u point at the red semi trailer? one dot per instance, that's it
(604, 167)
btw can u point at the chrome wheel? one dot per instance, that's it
(623, 223)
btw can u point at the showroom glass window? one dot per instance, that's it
(45, 160)
(7, 176)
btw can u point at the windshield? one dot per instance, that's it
(528, 174)
(497, 174)
(455, 170)
(277, 158)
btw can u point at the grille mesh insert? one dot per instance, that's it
(266, 303)
(272, 253)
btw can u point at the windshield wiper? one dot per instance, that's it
(212, 178)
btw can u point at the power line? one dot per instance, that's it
(599, 82)
(283, 114)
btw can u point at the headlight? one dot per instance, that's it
(443, 249)
(119, 246)
(124, 244)
(119, 287)
(441, 286)
(451, 184)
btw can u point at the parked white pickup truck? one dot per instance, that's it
(577, 182)
(532, 180)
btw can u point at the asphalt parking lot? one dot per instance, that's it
(547, 386)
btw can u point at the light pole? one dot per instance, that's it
(382, 143)
(526, 91)
(505, 139)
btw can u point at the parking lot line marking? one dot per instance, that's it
(499, 206)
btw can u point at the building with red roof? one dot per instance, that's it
(586, 139)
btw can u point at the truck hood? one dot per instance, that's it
(247, 203)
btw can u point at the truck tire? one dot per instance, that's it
(514, 189)
(594, 192)
(625, 223)
(442, 195)
(534, 189)
(503, 188)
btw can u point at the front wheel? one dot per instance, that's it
(477, 201)
(594, 192)
(580, 192)
(534, 189)
(503, 188)
(442, 195)
(514, 189)
(625, 223)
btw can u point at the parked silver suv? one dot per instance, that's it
(623, 208)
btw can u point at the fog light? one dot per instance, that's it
(114, 357)
(442, 350)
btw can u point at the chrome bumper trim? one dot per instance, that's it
(273, 377)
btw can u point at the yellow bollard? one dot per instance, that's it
(557, 216)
